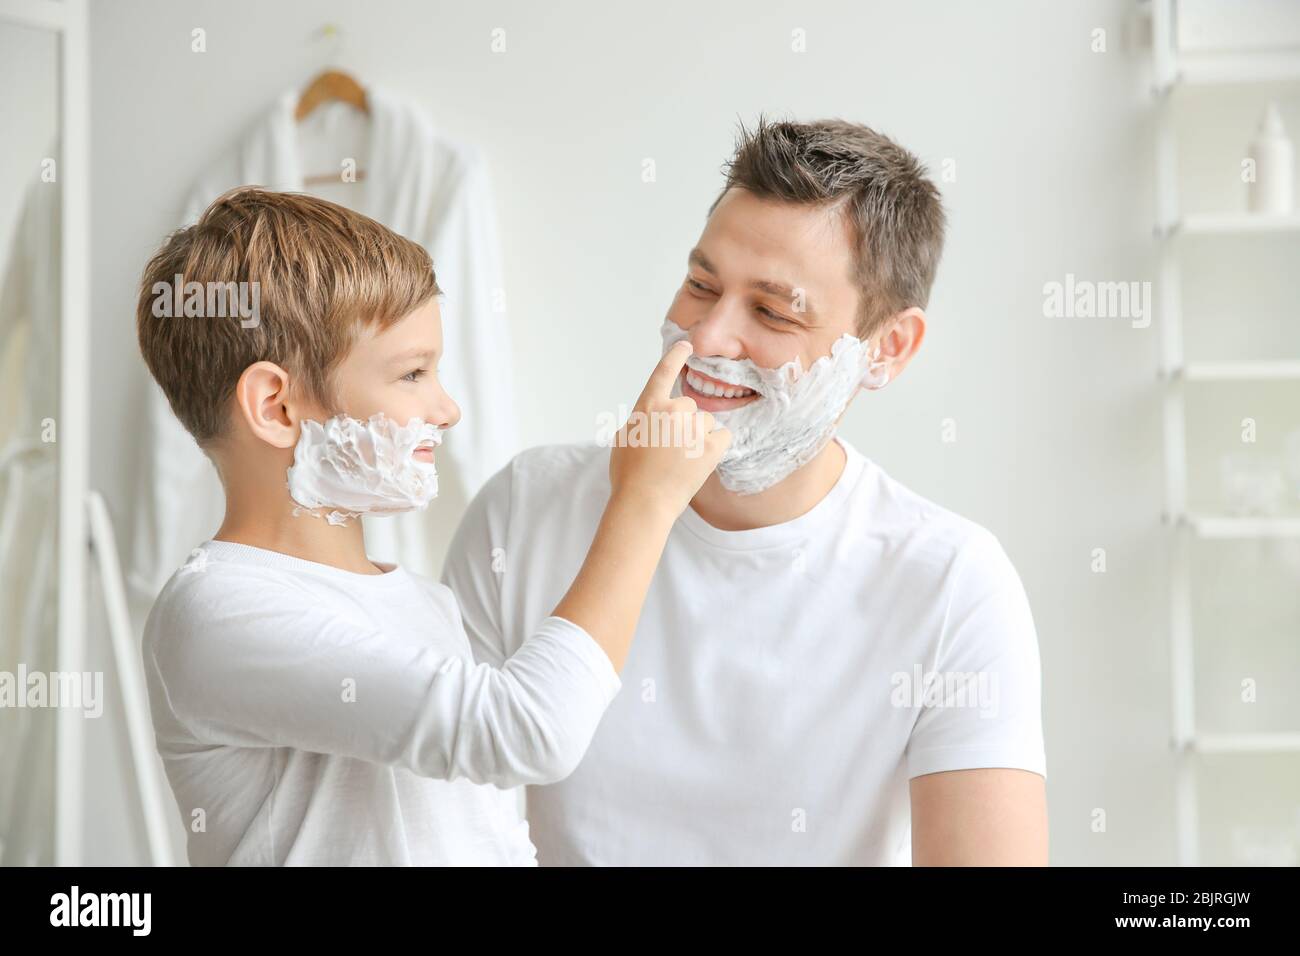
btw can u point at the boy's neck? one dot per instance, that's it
(262, 520)
(308, 538)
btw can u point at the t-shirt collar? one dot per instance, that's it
(807, 524)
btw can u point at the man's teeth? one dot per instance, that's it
(705, 387)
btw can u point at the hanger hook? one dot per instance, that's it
(334, 33)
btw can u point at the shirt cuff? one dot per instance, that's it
(941, 759)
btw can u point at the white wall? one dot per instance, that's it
(1058, 430)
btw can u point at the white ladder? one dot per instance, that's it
(1169, 75)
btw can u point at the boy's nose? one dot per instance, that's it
(446, 415)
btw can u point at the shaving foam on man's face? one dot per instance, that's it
(377, 457)
(789, 413)
(769, 303)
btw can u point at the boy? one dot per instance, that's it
(310, 706)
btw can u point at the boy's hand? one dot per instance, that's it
(668, 447)
(660, 458)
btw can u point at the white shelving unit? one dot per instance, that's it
(1260, 371)
(1170, 77)
(1232, 224)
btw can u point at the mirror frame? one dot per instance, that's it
(67, 19)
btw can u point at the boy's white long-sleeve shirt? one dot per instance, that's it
(311, 715)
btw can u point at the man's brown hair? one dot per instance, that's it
(893, 208)
(323, 273)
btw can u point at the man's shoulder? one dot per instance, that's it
(548, 472)
(914, 526)
(561, 462)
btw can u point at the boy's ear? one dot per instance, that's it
(262, 402)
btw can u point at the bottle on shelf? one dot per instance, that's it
(1272, 191)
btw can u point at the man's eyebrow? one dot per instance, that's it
(779, 289)
(783, 291)
(697, 258)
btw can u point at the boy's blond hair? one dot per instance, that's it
(321, 273)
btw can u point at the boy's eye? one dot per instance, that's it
(414, 376)
(698, 286)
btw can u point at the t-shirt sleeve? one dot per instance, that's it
(475, 564)
(981, 706)
(238, 669)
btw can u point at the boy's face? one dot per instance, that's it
(768, 281)
(394, 371)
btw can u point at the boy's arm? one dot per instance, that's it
(285, 672)
(650, 486)
(289, 673)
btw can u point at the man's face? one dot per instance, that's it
(395, 371)
(768, 281)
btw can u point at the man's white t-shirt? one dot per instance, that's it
(308, 715)
(785, 682)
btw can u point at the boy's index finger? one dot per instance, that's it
(661, 380)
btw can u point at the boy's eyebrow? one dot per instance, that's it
(424, 355)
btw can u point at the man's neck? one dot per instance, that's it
(786, 500)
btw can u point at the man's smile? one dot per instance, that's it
(714, 395)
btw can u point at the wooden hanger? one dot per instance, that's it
(331, 86)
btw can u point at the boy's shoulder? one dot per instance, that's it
(207, 587)
(214, 604)
(215, 571)
(220, 581)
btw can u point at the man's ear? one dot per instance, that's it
(898, 343)
(262, 402)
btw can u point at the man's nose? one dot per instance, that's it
(721, 331)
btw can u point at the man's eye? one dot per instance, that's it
(775, 317)
(415, 375)
(698, 286)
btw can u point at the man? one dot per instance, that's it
(829, 668)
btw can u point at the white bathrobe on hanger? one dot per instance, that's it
(422, 186)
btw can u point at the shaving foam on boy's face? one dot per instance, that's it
(343, 468)
(378, 460)
(793, 413)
